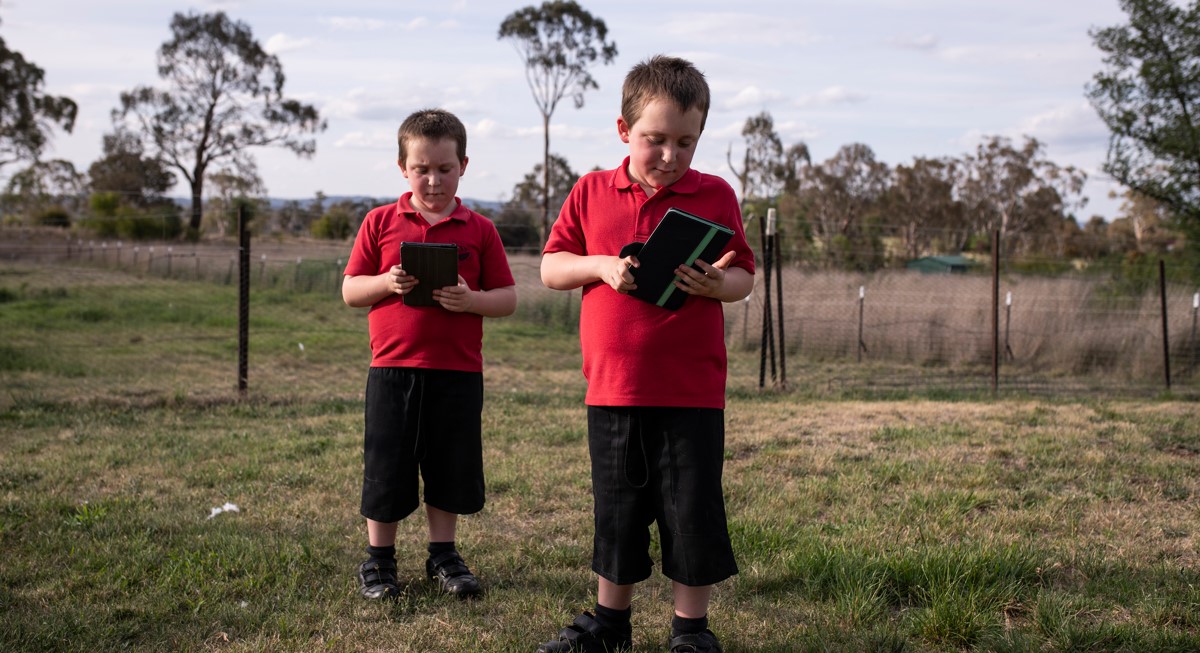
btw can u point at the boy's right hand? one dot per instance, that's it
(617, 273)
(399, 281)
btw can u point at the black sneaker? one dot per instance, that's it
(586, 635)
(705, 642)
(449, 570)
(377, 579)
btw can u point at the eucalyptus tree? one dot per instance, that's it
(27, 113)
(1149, 96)
(223, 96)
(558, 42)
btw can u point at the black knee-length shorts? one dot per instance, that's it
(659, 465)
(422, 423)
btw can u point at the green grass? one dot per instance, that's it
(938, 522)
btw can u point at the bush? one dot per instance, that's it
(55, 216)
(334, 225)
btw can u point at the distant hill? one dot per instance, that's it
(305, 202)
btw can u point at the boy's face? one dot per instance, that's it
(433, 171)
(661, 143)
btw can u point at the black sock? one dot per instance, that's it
(612, 619)
(438, 548)
(684, 626)
(382, 552)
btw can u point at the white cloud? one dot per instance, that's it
(915, 42)
(283, 43)
(1070, 126)
(830, 96)
(733, 28)
(751, 97)
(354, 24)
(360, 140)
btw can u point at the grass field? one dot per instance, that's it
(916, 522)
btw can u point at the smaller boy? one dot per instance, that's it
(424, 395)
(656, 378)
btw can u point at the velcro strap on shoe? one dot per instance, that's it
(584, 623)
(450, 564)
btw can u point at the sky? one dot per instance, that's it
(907, 78)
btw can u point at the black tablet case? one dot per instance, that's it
(679, 239)
(435, 265)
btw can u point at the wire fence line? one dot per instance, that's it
(893, 328)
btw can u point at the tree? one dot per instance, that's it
(26, 113)
(224, 96)
(516, 220)
(124, 170)
(43, 186)
(841, 197)
(235, 188)
(761, 176)
(921, 206)
(558, 42)
(1016, 191)
(1143, 225)
(1149, 96)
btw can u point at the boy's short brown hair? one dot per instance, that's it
(432, 124)
(666, 78)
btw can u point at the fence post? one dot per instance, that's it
(766, 233)
(1195, 310)
(1008, 352)
(1166, 342)
(243, 301)
(779, 305)
(862, 300)
(995, 311)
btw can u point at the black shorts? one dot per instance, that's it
(664, 465)
(426, 422)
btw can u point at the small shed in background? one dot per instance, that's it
(941, 264)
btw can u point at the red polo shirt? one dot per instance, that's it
(429, 337)
(635, 353)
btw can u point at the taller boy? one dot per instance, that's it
(424, 393)
(656, 378)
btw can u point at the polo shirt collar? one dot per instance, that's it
(404, 205)
(688, 183)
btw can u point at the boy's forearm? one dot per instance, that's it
(567, 271)
(363, 291)
(738, 284)
(497, 302)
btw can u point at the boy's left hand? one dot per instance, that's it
(706, 282)
(457, 299)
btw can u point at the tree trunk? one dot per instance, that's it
(197, 207)
(545, 178)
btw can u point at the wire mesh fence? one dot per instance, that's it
(886, 330)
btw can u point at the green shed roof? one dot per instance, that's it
(950, 263)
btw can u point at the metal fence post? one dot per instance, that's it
(243, 301)
(1166, 341)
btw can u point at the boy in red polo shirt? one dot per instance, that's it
(424, 394)
(656, 378)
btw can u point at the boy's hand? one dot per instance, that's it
(399, 281)
(706, 282)
(618, 276)
(457, 299)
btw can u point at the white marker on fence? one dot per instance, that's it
(862, 292)
(1008, 299)
(770, 222)
(1196, 300)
